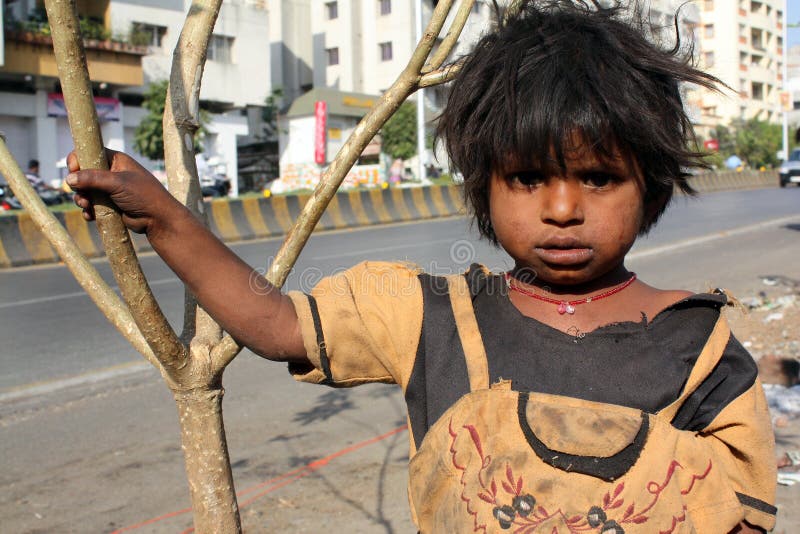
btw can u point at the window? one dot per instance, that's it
(332, 56)
(331, 10)
(386, 51)
(385, 6)
(758, 91)
(708, 59)
(143, 34)
(757, 39)
(219, 48)
(708, 31)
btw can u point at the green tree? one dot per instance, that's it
(399, 134)
(148, 137)
(758, 142)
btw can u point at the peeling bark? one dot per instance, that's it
(181, 122)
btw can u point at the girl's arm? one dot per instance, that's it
(254, 312)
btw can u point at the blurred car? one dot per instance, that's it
(790, 169)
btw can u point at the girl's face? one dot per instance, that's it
(569, 226)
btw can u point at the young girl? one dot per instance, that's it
(565, 395)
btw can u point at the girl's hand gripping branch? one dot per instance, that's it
(255, 313)
(143, 201)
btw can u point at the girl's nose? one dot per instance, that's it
(562, 202)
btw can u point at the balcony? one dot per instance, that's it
(760, 21)
(109, 61)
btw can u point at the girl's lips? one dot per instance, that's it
(564, 256)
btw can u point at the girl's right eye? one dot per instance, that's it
(525, 178)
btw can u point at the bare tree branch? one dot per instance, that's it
(451, 38)
(440, 76)
(181, 122)
(373, 121)
(85, 273)
(77, 89)
(404, 86)
(197, 387)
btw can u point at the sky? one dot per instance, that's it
(793, 17)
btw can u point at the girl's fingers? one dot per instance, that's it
(80, 200)
(93, 179)
(72, 162)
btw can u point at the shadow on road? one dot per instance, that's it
(339, 403)
(327, 405)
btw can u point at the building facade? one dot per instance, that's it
(741, 43)
(793, 88)
(129, 45)
(355, 47)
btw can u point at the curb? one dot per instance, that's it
(22, 244)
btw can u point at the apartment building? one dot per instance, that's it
(129, 44)
(741, 42)
(357, 50)
(793, 88)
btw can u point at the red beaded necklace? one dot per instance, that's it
(569, 306)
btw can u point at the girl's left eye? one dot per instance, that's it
(599, 179)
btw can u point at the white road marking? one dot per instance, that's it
(75, 294)
(50, 386)
(710, 237)
(632, 256)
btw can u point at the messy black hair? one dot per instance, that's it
(560, 67)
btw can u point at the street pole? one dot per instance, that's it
(785, 79)
(420, 107)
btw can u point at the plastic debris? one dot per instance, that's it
(773, 317)
(783, 401)
(788, 479)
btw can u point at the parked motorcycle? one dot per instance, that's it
(50, 197)
(218, 186)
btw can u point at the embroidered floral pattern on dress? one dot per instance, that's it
(513, 507)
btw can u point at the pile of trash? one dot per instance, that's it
(762, 302)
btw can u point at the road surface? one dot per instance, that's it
(88, 434)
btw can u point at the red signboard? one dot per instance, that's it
(320, 137)
(711, 144)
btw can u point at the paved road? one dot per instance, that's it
(97, 454)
